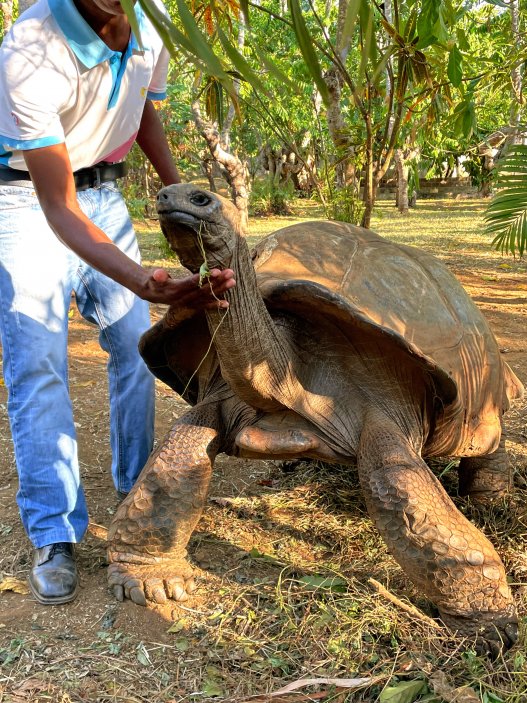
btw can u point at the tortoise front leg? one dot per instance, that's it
(151, 528)
(485, 478)
(440, 550)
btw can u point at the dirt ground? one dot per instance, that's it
(104, 648)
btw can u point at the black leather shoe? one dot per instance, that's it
(53, 579)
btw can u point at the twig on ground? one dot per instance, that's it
(98, 531)
(410, 609)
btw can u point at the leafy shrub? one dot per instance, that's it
(270, 199)
(344, 205)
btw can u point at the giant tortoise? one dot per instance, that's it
(342, 346)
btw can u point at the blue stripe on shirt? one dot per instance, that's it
(8, 143)
(155, 96)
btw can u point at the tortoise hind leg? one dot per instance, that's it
(441, 551)
(486, 478)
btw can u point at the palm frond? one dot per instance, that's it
(506, 215)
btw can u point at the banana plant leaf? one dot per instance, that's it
(506, 215)
(189, 41)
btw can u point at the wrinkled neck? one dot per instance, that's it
(254, 356)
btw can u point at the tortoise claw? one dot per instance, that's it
(137, 595)
(118, 592)
(152, 583)
(492, 633)
(497, 639)
(154, 589)
(177, 588)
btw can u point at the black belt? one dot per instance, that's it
(84, 178)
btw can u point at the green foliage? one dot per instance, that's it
(405, 79)
(455, 66)
(344, 205)
(134, 188)
(506, 216)
(320, 584)
(481, 177)
(267, 198)
(465, 117)
(305, 43)
(137, 205)
(427, 21)
(403, 692)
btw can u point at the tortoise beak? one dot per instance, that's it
(176, 216)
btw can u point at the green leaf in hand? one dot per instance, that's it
(204, 273)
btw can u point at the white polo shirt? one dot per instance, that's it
(59, 82)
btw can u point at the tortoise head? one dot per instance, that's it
(196, 223)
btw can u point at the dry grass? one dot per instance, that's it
(285, 555)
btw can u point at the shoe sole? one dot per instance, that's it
(53, 601)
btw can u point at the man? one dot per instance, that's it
(75, 92)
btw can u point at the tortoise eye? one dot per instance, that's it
(199, 199)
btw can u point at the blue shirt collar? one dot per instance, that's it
(87, 46)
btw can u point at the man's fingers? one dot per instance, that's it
(222, 281)
(187, 292)
(160, 275)
(215, 304)
(224, 274)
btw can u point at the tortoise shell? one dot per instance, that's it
(361, 279)
(373, 288)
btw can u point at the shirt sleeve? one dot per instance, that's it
(157, 90)
(32, 91)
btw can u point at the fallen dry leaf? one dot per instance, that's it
(295, 685)
(27, 691)
(463, 694)
(10, 583)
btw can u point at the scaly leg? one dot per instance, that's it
(485, 478)
(441, 551)
(151, 528)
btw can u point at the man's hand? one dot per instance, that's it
(186, 292)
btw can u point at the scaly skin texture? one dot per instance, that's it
(441, 551)
(486, 478)
(404, 365)
(152, 526)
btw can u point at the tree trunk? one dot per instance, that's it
(207, 166)
(234, 171)
(345, 172)
(339, 131)
(231, 112)
(516, 76)
(402, 170)
(369, 194)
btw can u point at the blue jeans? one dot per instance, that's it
(37, 275)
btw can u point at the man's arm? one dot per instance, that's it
(153, 142)
(52, 176)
